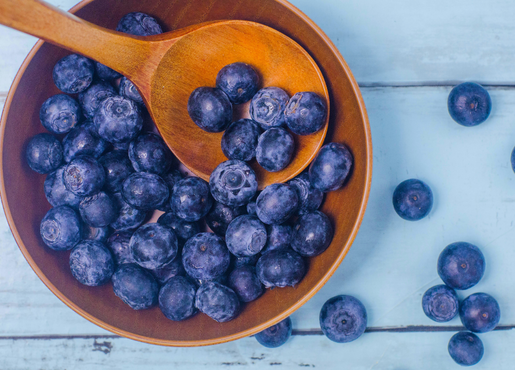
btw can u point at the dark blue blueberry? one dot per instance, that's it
(91, 263)
(466, 348)
(60, 113)
(73, 74)
(57, 194)
(310, 198)
(280, 268)
(233, 183)
(182, 229)
(220, 280)
(220, 216)
(267, 107)
(245, 260)
(82, 141)
(171, 269)
(461, 265)
(440, 303)
(210, 109)
(98, 210)
(252, 208)
(139, 24)
(191, 199)
(177, 298)
(118, 119)
(129, 218)
(275, 149)
(91, 98)
(217, 301)
(240, 140)
(330, 168)
(105, 73)
(135, 286)
(312, 234)
(153, 246)
(513, 160)
(44, 153)
(149, 153)
(117, 168)
(469, 104)
(276, 204)
(61, 228)
(343, 319)
(171, 178)
(99, 234)
(305, 113)
(245, 236)
(245, 283)
(278, 237)
(118, 244)
(276, 335)
(129, 90)
(480, 312)
(205, 256)
(239, 81)
(412, 200)
(84, 176)
(145, 191)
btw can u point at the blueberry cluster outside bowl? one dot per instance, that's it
(25, 204)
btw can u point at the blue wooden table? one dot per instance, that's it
(406, 55)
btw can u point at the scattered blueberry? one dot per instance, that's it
(440, 303)
(184, 230)
(135, 286)
(275, 149)
(245, 236)
(61, 228)
(412, 200)
(139, 24)
(312, 234)
(91, 263)
(99, 234)
(171, 269)
(118, 244)
(239, 81)
(252, 208)
(118, 119)
(91, 98)
(44, 153)
(191, 199)
(98, 210)
(461, 265)
(245, 283)
(513, 160)
(480, 313)
(466, 348)
(105, 73)
(210, 109)
(276, 204)
(276, 335)
(149, 153)
(129, 90)
(233, 183)
(220, 216)
(278, 237)
(469, 104)
(153, 246)
(205, 256)
(60, 113)
(305, 113)
(240, 140)
(310, 198)
(171, 178)
(73, 73)
(245, 260)
(56, 193)
(84, 176)
(267, 107)
(330, 168)
(217, 301)
(177, 298)
(128, 217)
(82, 141)
(280, 268)
(117, 168)
(145, 191)
(343, 319)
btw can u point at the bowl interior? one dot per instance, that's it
(25, 204)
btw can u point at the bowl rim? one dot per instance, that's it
(227, 338)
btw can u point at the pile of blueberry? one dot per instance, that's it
(108, 175)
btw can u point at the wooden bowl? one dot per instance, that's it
(25, 204)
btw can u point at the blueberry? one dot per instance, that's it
(461, 265)
(117, 168)
(412, 200)
(118, 119)
(177, 298)
(217, 301)
(233, 183)
(242, 261)
(245, 283)
(56, 193)
(129, 90)
(99, 234)
(466, 348)
(171, 178)
(145, 191)
(220, 216)
(128, 217)
(480, 313)
(82, 141)
(105, 73)
(135, 286)
(330, 168)
(239, 81)
(205, 256)
(139, 24)
(440, 303)
(343, 319)
(278, 237)
(184, 230)
(276, 335)
(469, 104)
(84, 176)
(267, 107)
(312, 234)
(210, 109)
(275, 149)
(310, 198)
(118, 244)
(153, 246)
(98, 210)
(61, 228)
(171, 269)
(44, 153)
(305, 113)
(513, 160)
(60, 113)
(245, 236)
(280, 268)
(252, 208)
(73, 73)
(191, 199)
(240, 140)
(91, 263)
(276, 204)
(91, 98)
(149, 153)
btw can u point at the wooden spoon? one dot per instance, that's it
(166, 68)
